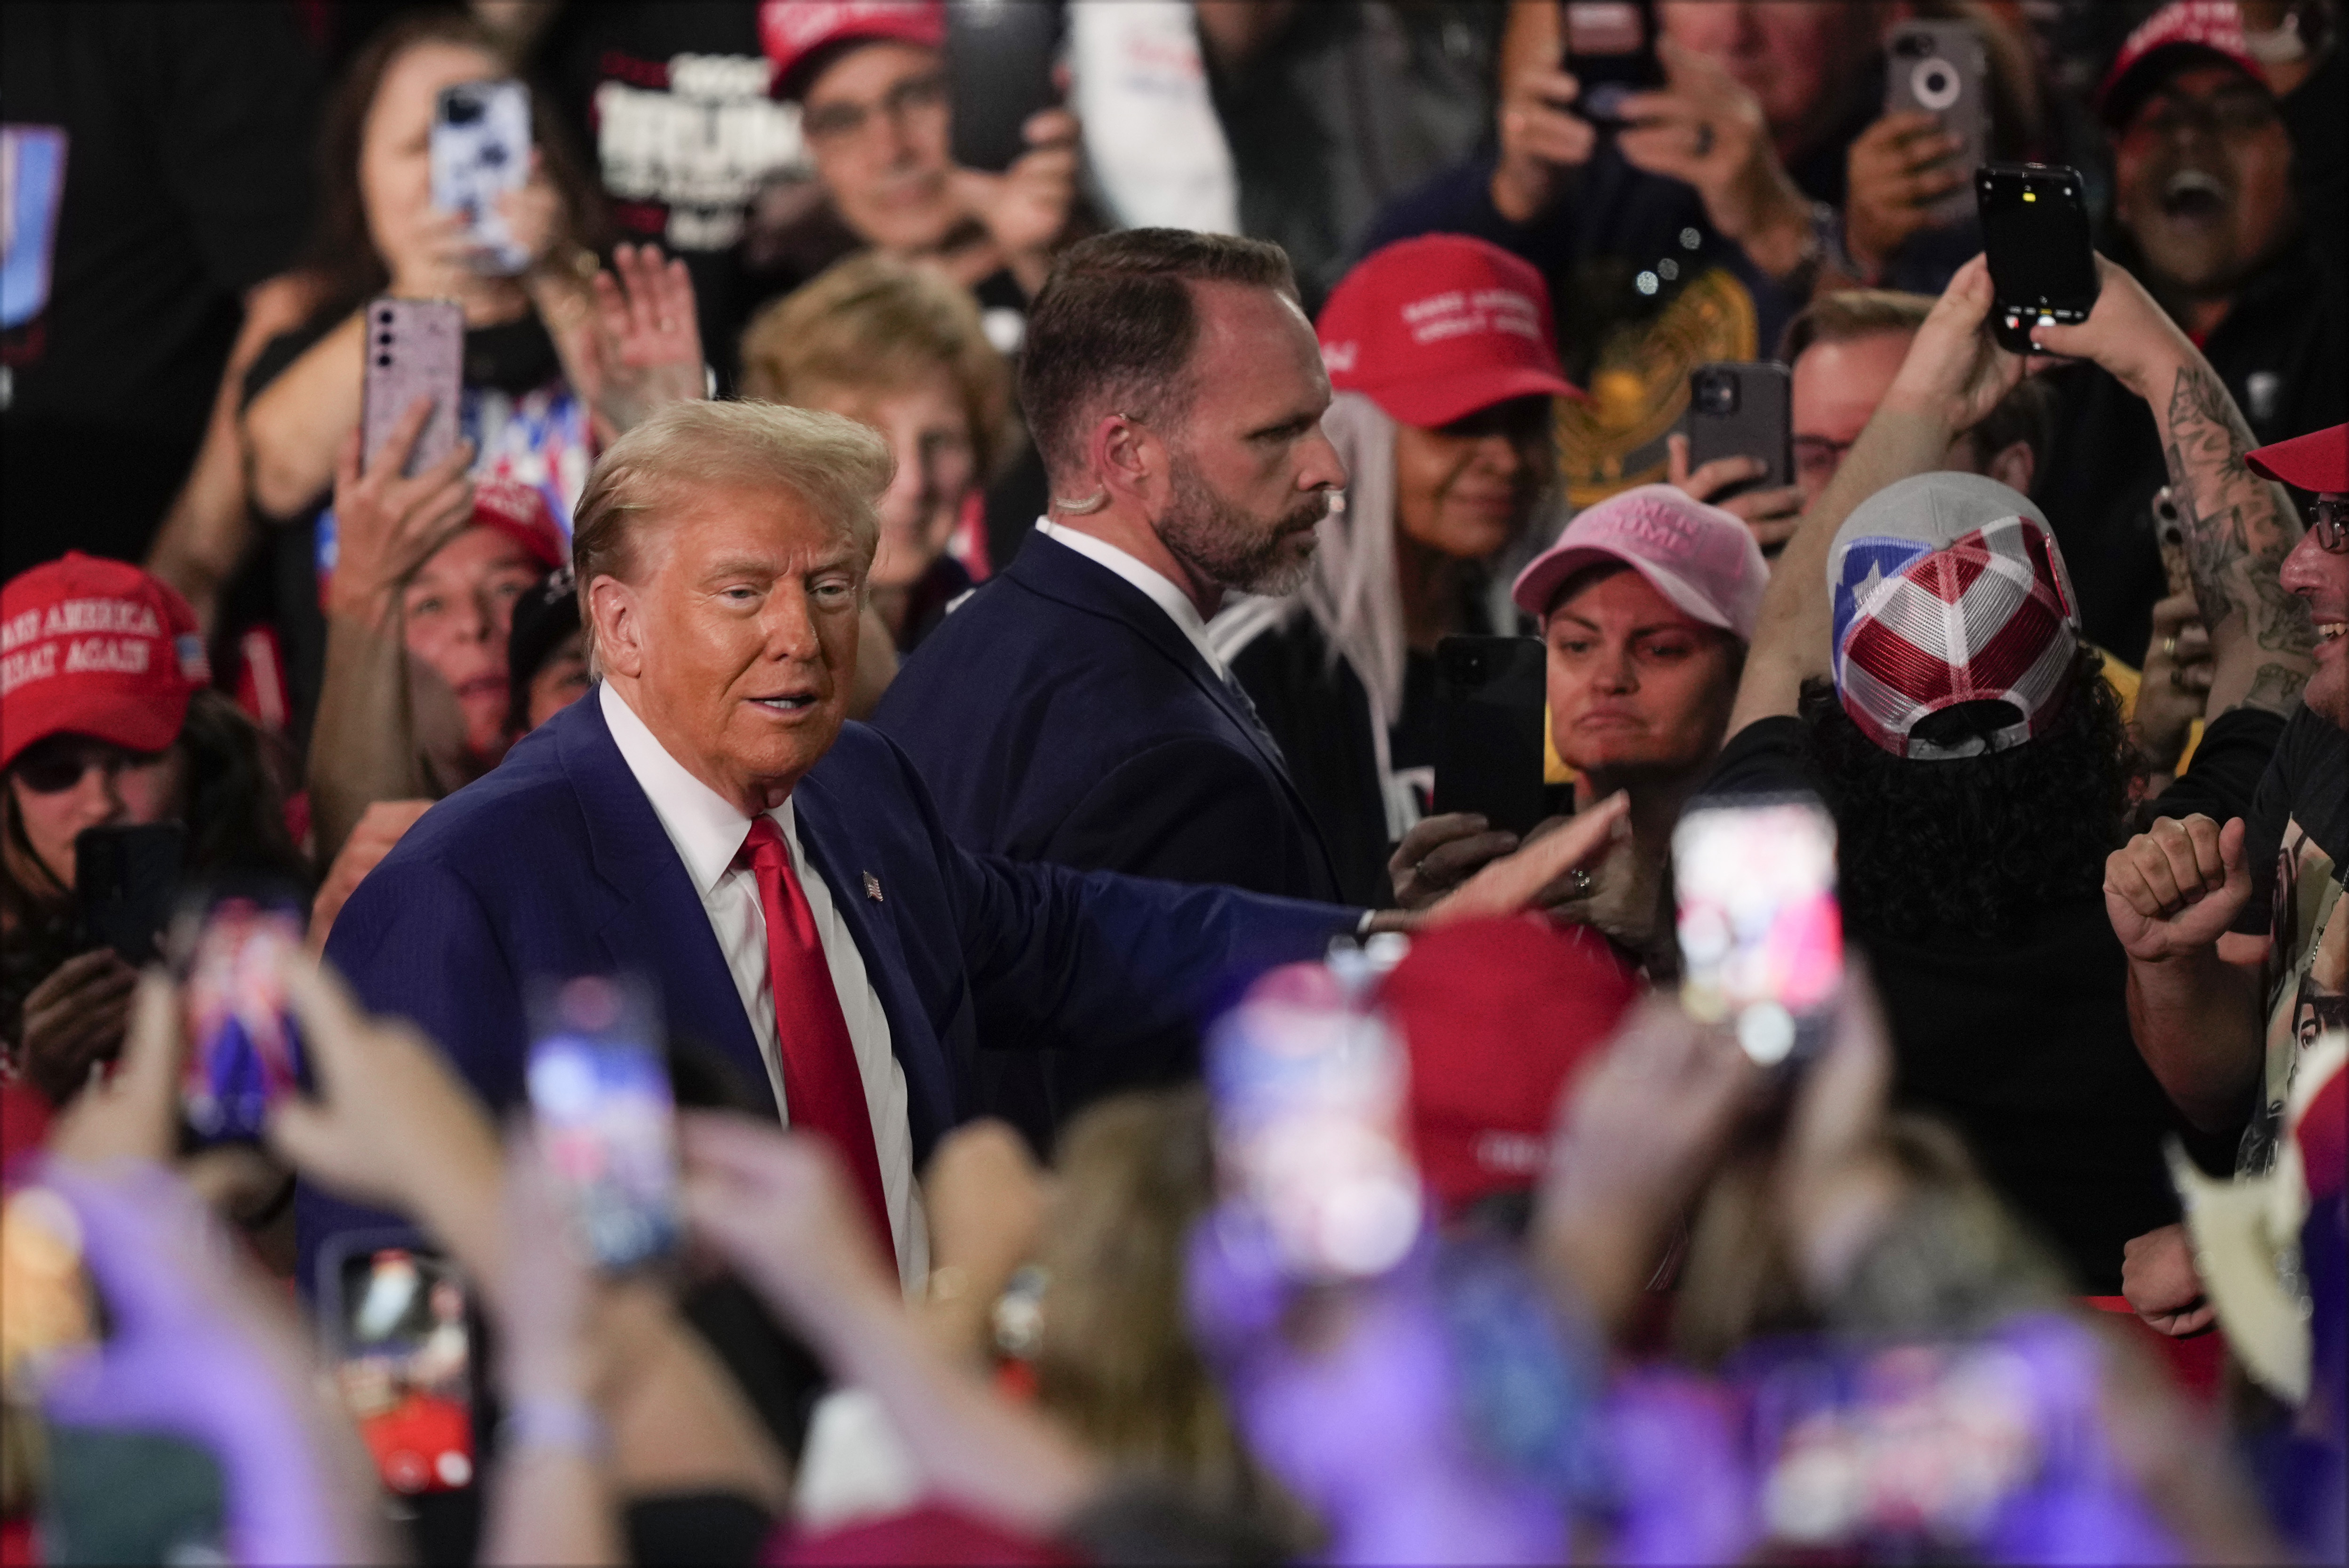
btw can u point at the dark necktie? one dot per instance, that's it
(822, 1091)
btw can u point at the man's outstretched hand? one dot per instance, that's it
(2177, 889)
(1514, 882)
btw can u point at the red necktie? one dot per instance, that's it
(822, 1087)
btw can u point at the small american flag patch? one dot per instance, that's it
(872, 887)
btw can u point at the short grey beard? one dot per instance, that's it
(1227, 547)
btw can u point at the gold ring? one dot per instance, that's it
(2169, 647)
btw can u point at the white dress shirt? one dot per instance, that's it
(1151, 581)
(708, 832)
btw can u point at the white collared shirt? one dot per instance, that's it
(708, 832)
(1151, 581)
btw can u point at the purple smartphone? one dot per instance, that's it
(415, 348)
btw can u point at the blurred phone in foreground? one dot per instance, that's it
(244, 1051)
(1490, 696)
(1761, 934)
(126, 885)
(999, 57)
(1308, 1092)
(1610, 52)
(480, 151)
(398, 1323)
(599, 1090)
(415, 348)
(2043, 261)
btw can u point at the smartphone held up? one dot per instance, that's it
(1761, 933)
(480, 151)
(245, 1050)
(2043, 260)
(600, 1094)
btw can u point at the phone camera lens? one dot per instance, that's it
(1935, 84)
(463, 111)
(1913, 46)
(1716, 393)
(383, 361)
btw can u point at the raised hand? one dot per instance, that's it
(1707, 131)
(2158, 1279)
(1518, 882)
(1770, 515)
(73, 1020)
(1025, 209)
(1953, 369)
(385, 526)
(1542, 139)
(630, 342)
(2177, 888)
(1895, 172)
(1441, 853)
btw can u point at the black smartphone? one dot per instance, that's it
(999, 59)
(1610, 52)
(399, 1321)
(1490, 694)
(1940, 68)
(127, 882)
(2043, 263)
(1743, 409)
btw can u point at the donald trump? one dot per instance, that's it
(707, 818)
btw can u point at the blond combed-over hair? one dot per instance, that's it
(836, 466)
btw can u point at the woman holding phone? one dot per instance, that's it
(556, 359)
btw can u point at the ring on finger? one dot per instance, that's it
(1703, 137)
(2178, 679)
(2169, 647)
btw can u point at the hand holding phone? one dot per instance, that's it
(1941, 69)
(399, 1328)
(415, 349)
(126, 885)
(1761, 934)
(1610, 50)
(1743, 410)
(599, 1090)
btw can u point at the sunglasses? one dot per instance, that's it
(53, 766)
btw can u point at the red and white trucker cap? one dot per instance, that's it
(1434, 329)
(96, 647)
(1948, 588)
(793, 31)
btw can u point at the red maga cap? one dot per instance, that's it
(2213, 28)
(2317, 462)
(521, 512)
(1496, 1015)
(1434, 329)
(96, 647)
(793, 31)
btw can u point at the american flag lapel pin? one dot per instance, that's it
(872, 887)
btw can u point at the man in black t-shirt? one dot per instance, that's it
(1975, 763)
(157, 172)
(2237, 934)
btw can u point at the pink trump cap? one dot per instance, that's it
(1699, 557)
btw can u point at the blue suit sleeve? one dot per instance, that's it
(415, 942)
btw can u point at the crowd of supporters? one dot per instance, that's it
(990, 503)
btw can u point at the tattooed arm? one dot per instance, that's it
(2238, 527)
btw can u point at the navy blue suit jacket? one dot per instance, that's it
(1060, 716)
(556, 865)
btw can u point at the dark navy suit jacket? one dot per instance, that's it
(1060, 716)
(556, 865)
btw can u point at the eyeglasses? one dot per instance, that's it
(2328, 518)
(838, 122)
(60, 763)
(2236, 112)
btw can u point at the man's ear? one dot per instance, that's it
(617, 615)
(2013, 467)
(1129, 459)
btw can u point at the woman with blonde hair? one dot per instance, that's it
(899, 347)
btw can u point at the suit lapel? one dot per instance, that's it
(657, 924)
(824, 836)
(1060, 573)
